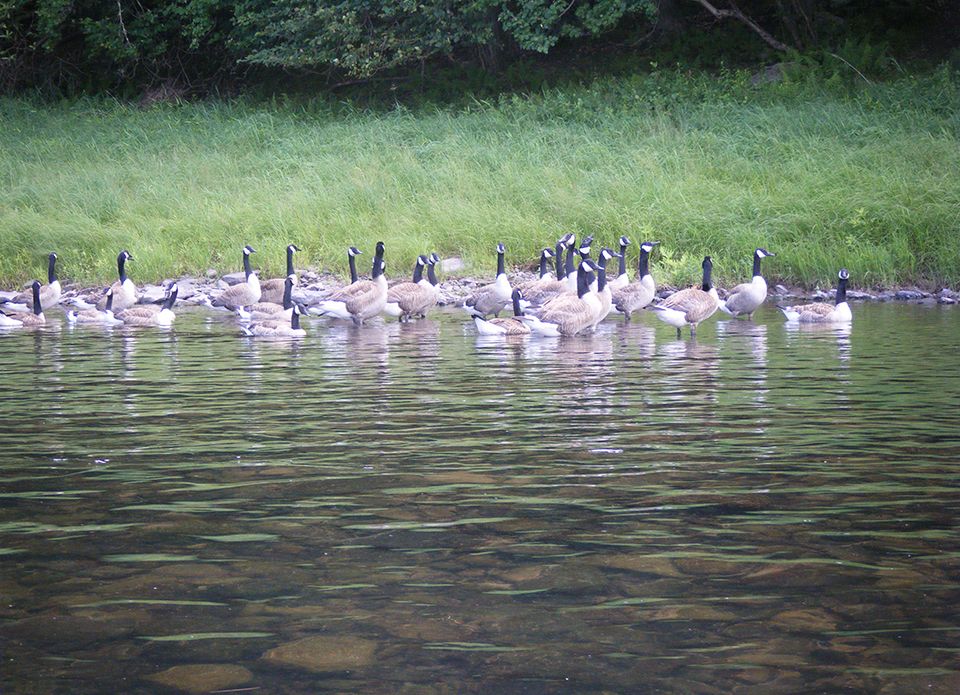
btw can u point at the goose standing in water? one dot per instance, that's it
(490, 299)
(636, 295)
(691, 306)
(49, 293)
(26, 319)
(270, 310)
(356, 286)
(623, 277)
(94, 315)
(821, 312)
(279, 328)
(124, 291)
(408, 299)
(603, 288)
(545, 289)
(366, 298)
(546, 272)
(272, 290)
(151, 314)
(569, 314)
(746, 298)
(512, 325)
(244, 293)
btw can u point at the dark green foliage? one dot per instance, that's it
(199, 46)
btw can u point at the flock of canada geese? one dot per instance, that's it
(570, 297)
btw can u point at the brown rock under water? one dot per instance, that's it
(324, 654)
(202, 678)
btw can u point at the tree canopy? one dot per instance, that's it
(91, 45)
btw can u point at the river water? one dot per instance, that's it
(411, 508)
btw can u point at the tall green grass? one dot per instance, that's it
(822, 175)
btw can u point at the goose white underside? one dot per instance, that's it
(7, 322)
(331, 308)
(540, 328)
(677, 319)
(487, 328)
(392, 309)
(100, 317)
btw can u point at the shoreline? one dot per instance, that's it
(315, 286)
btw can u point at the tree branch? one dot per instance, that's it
(737, 14)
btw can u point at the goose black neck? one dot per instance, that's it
(707, 271)
(377, 270)
(289, 260)
(570, 266)
(353, 268)
(377, 257)
(417, 272)
(168, 302)
(601, 273)
(432, 274)
(558, 260)
(501, 267)
(246, 265)
(37, 309)
(756, 265)
(121, 259)
(51, 269)
(841, 290)
(643, 267)
(543, 264)
(517, 311)
(109, 305)
(287, 293)
(583, 283)
(295, 321)
(622, 268)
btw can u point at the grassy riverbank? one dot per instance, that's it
(863, 176)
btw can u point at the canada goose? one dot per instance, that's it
(272, 290)
(94, 315)
(49, 293)
(356, 286)
(603, 289)
(151, 314)
(270, 310)
(691, 306)
(545, 289)
(637, 295)
(583, 250)
(747, 297)
(546, 272)
(279, 328)
(244, 293)
(408, 299)
(490, 299)
(569, 314)
(124, 291)
(623, 277)
(367, 298)
(821, 312)
(512, 325)
(26, 319)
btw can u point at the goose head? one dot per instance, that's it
(624, 241)
(353, 251)
(763, 253)
(647, 246)
(292, 248)
(247, 250)
(844, 274)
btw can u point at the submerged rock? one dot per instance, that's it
(202, 678)
(324, 654)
